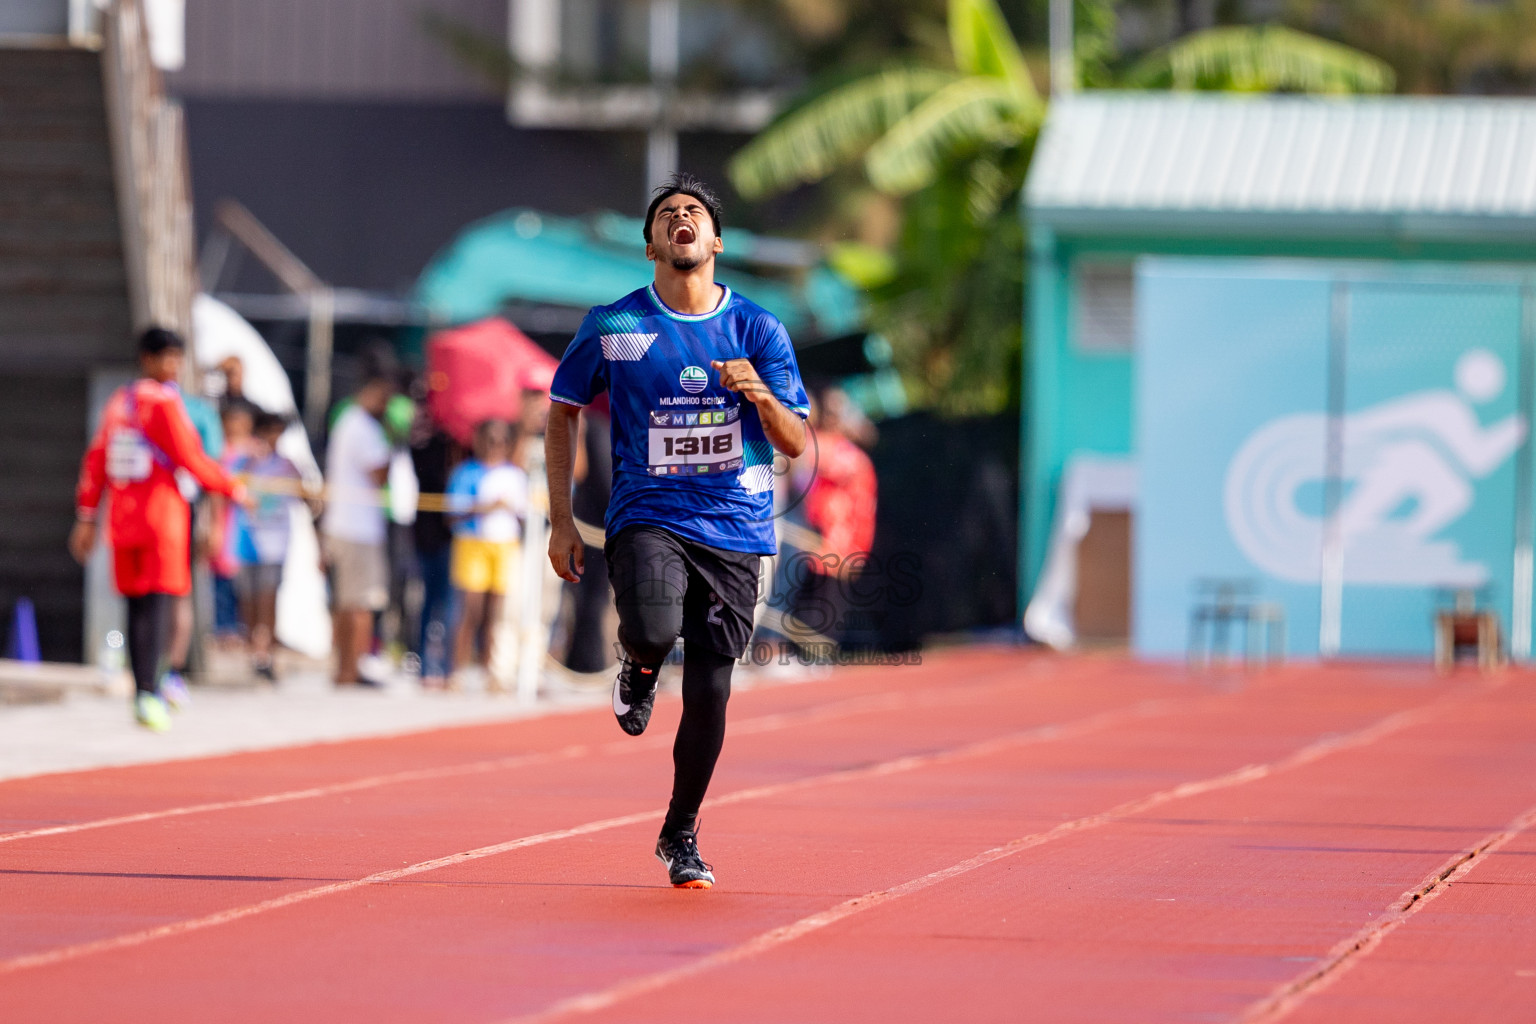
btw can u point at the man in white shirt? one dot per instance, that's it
(357, 466)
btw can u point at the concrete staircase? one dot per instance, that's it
(64, 310)
(75, 281)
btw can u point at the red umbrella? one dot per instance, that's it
(479, 372)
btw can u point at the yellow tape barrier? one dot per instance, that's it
(792, 534)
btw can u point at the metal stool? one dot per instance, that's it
(1466, 626)
(1222, 605)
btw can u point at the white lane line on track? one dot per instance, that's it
(603, 999)
(760, 724)
(1037, 734)
(1283, 1000)
(287, 796)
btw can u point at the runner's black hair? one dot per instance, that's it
(157, 339)
(684, 184)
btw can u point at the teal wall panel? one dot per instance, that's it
(1430, 438)
(1223, 352)
(1348, 438)
(1085, 402)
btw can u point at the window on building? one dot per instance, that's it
(1104, 301)
(719, 47)
(604, 40)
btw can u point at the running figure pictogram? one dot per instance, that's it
(704, 388)
(1410, 467)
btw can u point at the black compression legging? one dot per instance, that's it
(149, 629)
(700, 735)
(650, 618)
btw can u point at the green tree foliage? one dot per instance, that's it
(836, 128)
(1435, 46)
(849, 33)
(1265, 58)
(954, 141)
(952, 136)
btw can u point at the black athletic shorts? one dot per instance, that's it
(649, 567)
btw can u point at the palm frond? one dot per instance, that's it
(987, 185)
(984, 45)
(966, 114)
(832, 130)
(1266, 58)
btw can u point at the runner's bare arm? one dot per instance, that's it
(566, 553)
(785, 429)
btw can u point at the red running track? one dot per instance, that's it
(990, 836)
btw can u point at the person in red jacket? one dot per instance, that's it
(840, 506)
(144, 438)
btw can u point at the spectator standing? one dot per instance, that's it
(402, 489)
(432, 455)
(354, 527)
(234, 380)
(487, 499)
(238, 418)
(591, 648)
(145, 436)
(840, 506)
(532, 420)
(205, 418)
(264, 535)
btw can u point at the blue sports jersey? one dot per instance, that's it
(688, 455)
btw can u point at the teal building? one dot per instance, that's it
(1288, 341)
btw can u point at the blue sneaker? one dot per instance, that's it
(173, 690)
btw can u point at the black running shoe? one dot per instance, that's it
(634, 692)
(680, 853)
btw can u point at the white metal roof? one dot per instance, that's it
(1162, 153)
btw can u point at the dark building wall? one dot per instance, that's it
(63, 314)
(43, 419)
(63, 288)
(367, 193)
(331, 49)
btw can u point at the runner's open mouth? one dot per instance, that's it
(683, 234)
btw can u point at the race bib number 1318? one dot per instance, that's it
(694, 443)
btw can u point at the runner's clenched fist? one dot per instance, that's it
(740, 376)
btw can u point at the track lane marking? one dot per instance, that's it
(309, 793)
(603, 999)
(1026, 737)
(869, 703)
(1343, 956)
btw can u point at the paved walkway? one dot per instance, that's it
(86, 731)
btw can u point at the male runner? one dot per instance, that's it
(703, 386)
(145, 436)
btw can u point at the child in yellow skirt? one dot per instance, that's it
(487, 501)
